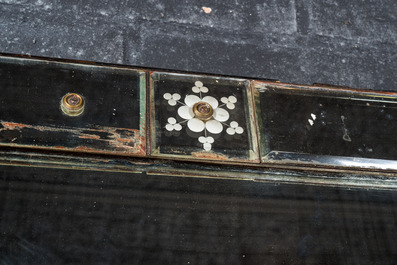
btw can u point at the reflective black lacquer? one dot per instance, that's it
(327, 126)
(60, 216)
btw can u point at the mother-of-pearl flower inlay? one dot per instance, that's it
(203, 114)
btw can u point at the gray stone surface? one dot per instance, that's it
(347, 43)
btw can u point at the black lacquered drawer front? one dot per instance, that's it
(326, 126)
(112, 118)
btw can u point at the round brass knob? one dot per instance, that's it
(72, 104)
(203, 111)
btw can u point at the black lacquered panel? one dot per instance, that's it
(31, 91)
(329, 126)
(179, 130)
(58, 216)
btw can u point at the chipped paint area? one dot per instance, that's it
(98, 140)
(209, 156)
(90, 137)
(13, 125)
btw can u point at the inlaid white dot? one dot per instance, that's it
(214, 126)
(230, 131)
(171, 120)
(204, 89)
(185, 112)
(172, 102)
(176, 96)
(167, 96)
(221, 114)
(232, 99)
(198, 83)
(239, 130)
(178, 127)
(190, 100)
(195, 125)
(196, 89)
(211, 100)
(207, 146)
(230, 105)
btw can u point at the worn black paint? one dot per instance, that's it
(30, 95)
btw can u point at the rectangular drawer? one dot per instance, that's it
(31, 113)
(325, 126)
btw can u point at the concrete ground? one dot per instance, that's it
(338, 42)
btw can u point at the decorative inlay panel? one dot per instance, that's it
(202, 117)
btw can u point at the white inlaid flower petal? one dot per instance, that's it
(172, 102)
(210, 139)
(195, 125)
(198, 83)
(230, 131)
(214, 126)
(221, 114)
(207, 146)
(169, 127)
(176, 96)
(224, 100)
(190, 100)
(204, 89)
(239, 130)
(178, 127)
(202, 139)
(212, 101)
(234, 124)
(196, 89)
(185, 112)
(232, 99)
(167, 96)
(230, 105)
(171, 120)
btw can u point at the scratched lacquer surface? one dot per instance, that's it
(320, 125)
(202, 117)
(31, 91)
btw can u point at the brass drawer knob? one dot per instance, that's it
(72, 104)
(203, 111)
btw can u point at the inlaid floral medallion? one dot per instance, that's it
(201, 116)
